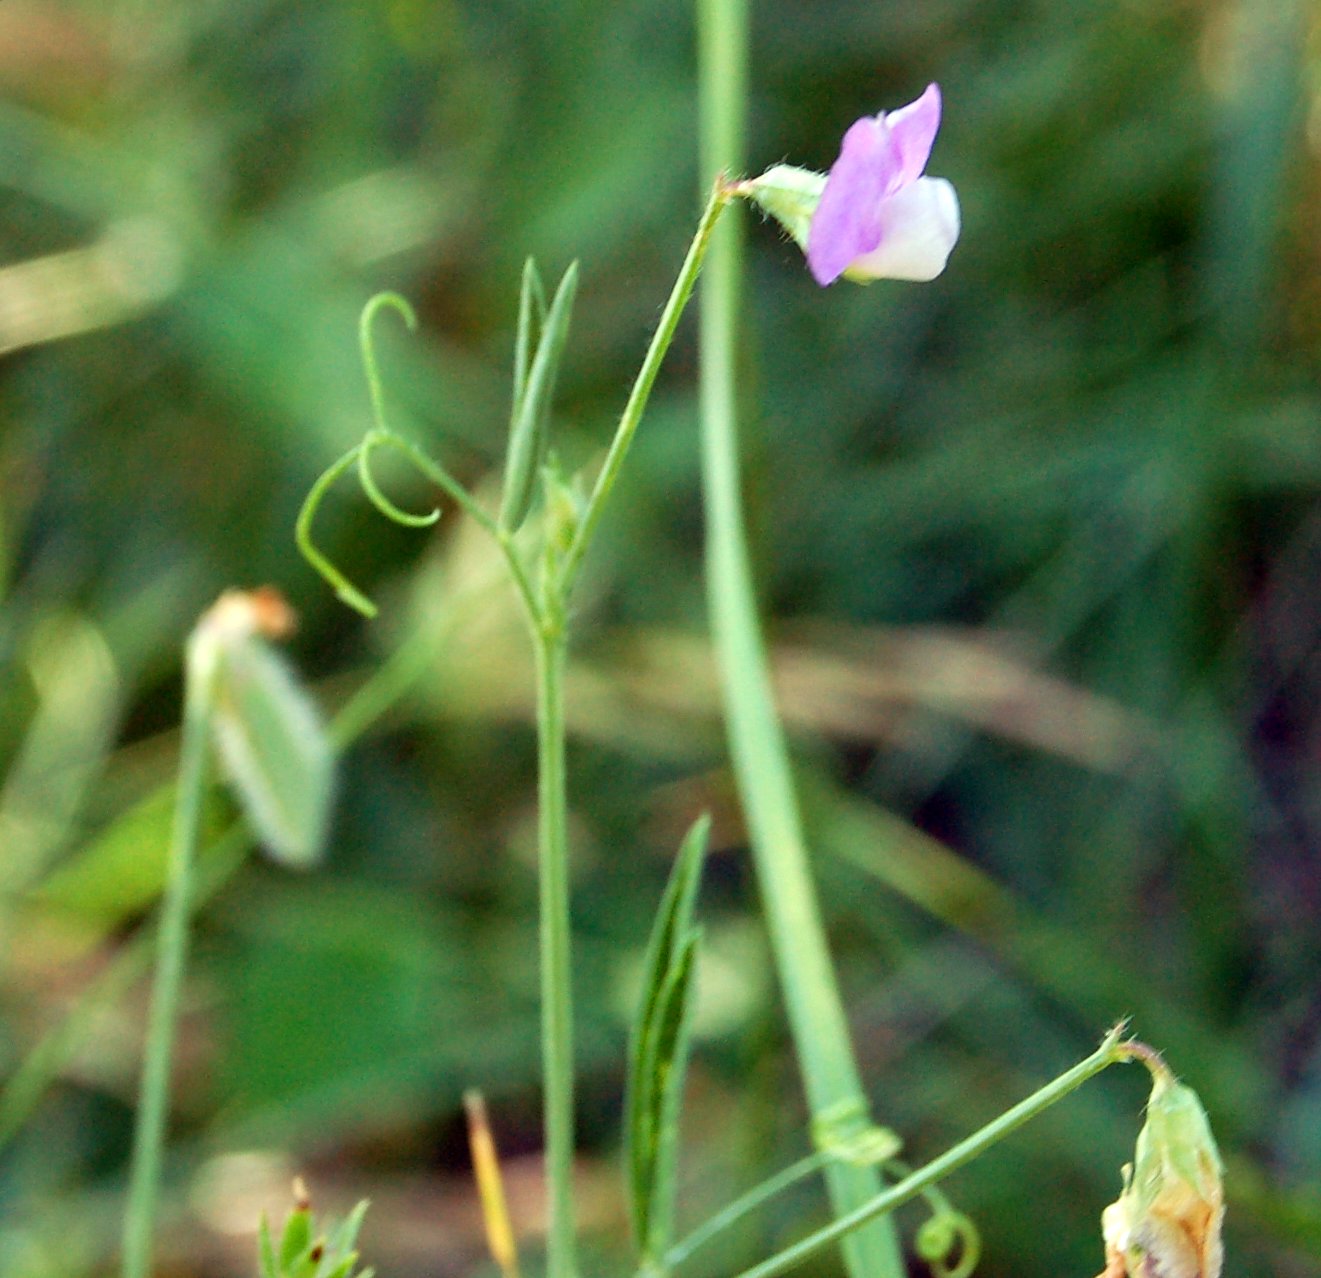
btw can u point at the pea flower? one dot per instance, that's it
(875, 216)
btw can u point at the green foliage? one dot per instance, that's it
(120, 872)
(534, 388)
(304, 1251)
(658, 1055)
(1038, 546)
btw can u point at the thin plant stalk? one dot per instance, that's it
(172, 952)
(758, 749)
(24, 1088)
(631, 417)
(547, 624)
(745, 1205)
(556, 969)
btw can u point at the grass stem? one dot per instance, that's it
(757, 743)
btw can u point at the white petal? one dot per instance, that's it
(920, 226)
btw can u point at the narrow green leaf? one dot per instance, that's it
(266, 1258)
(307, 1251)
(667, 1067)
(531, 324)
(344, 1237)
(121, 871)
(297, 1237)
(657, 1055)
(529, 431)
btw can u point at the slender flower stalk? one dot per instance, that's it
(745, 1205)
(241, 701)
(760, 755)
(172, 951)
(716, 203)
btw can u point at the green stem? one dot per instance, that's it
(743, 1205)
(172, 951)
(759, 752)
(1110, 1052)
(556, 973)
(637, 400)
(546, 619)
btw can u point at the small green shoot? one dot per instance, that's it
(531, 324)
(305, 1251)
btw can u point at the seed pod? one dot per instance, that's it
(1166, 1223)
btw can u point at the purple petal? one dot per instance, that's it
(847, 220)
(912, 131)
(880, 156)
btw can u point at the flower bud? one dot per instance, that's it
(1166, 1223)
(269, 738)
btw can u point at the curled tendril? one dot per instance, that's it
(361, 454)
(344, 588)
(948, 1234)
(382, 433)
(378, 436)
(367, 341)
(374, 493)
(844, 1131)
(948, 1240)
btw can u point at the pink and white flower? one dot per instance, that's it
(879, 217)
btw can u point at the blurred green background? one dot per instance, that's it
(1039, 542)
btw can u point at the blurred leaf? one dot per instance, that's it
(297, 1236)
(331, 984)
(121, 872)
(268, 1262)
(62, 749)
(307, 1251)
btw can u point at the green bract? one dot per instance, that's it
(789, 195)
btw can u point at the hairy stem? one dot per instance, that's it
(641, 392)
